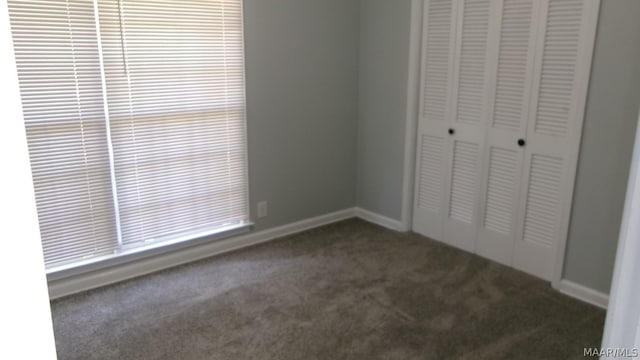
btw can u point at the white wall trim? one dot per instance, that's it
(381, 220)
(105, 276)
(584, 293)
(90, 280)
(411, 126)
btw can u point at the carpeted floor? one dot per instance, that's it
(350, 290)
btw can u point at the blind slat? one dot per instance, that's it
(71, 165)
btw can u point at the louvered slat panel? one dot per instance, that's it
(471, 81)
(436, 60)
(562, 39)
(429, 191)
(503, 164)
(513, 64)
(543, 199)
(463, 181)
(58, 64)
(175, 88)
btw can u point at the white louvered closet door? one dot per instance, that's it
(504, 86)
(562, 67)
(438, 47)
(468, 120)
(513, 43)
(451, 141)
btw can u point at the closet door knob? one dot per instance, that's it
(452, 131)
(521, 142)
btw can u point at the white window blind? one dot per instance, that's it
(175, 89)
(59, 72)
(135, 120)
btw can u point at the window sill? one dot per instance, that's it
(155, 249)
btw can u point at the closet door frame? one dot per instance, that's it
(410, 183)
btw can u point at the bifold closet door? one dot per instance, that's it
(504, 85)
(452, 123)
(513, 40)
(468, 122)
(433, 155)
(561, 74)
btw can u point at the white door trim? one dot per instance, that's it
(411, 128)
(622, 327)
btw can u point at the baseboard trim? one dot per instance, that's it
(381, 220)
(90, 280)
(584, 293)
(82, 282)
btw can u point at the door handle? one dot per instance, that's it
(451, 131)
(521, 142)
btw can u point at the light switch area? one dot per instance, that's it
(262, 209)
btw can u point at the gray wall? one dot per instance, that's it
(301, 66)
(314, 67)
(383, 71)
(607, 142)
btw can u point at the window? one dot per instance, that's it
(135, 118)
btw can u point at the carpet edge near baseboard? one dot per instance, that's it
(62, 287)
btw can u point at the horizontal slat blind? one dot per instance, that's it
(135, 120)
(59, 71)
(175, 93)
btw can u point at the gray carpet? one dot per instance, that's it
(350, 290)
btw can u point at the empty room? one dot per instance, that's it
(320, 179)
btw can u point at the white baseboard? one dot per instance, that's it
(584, 293)
(381, 220)
(90, 280)
(86, 281)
